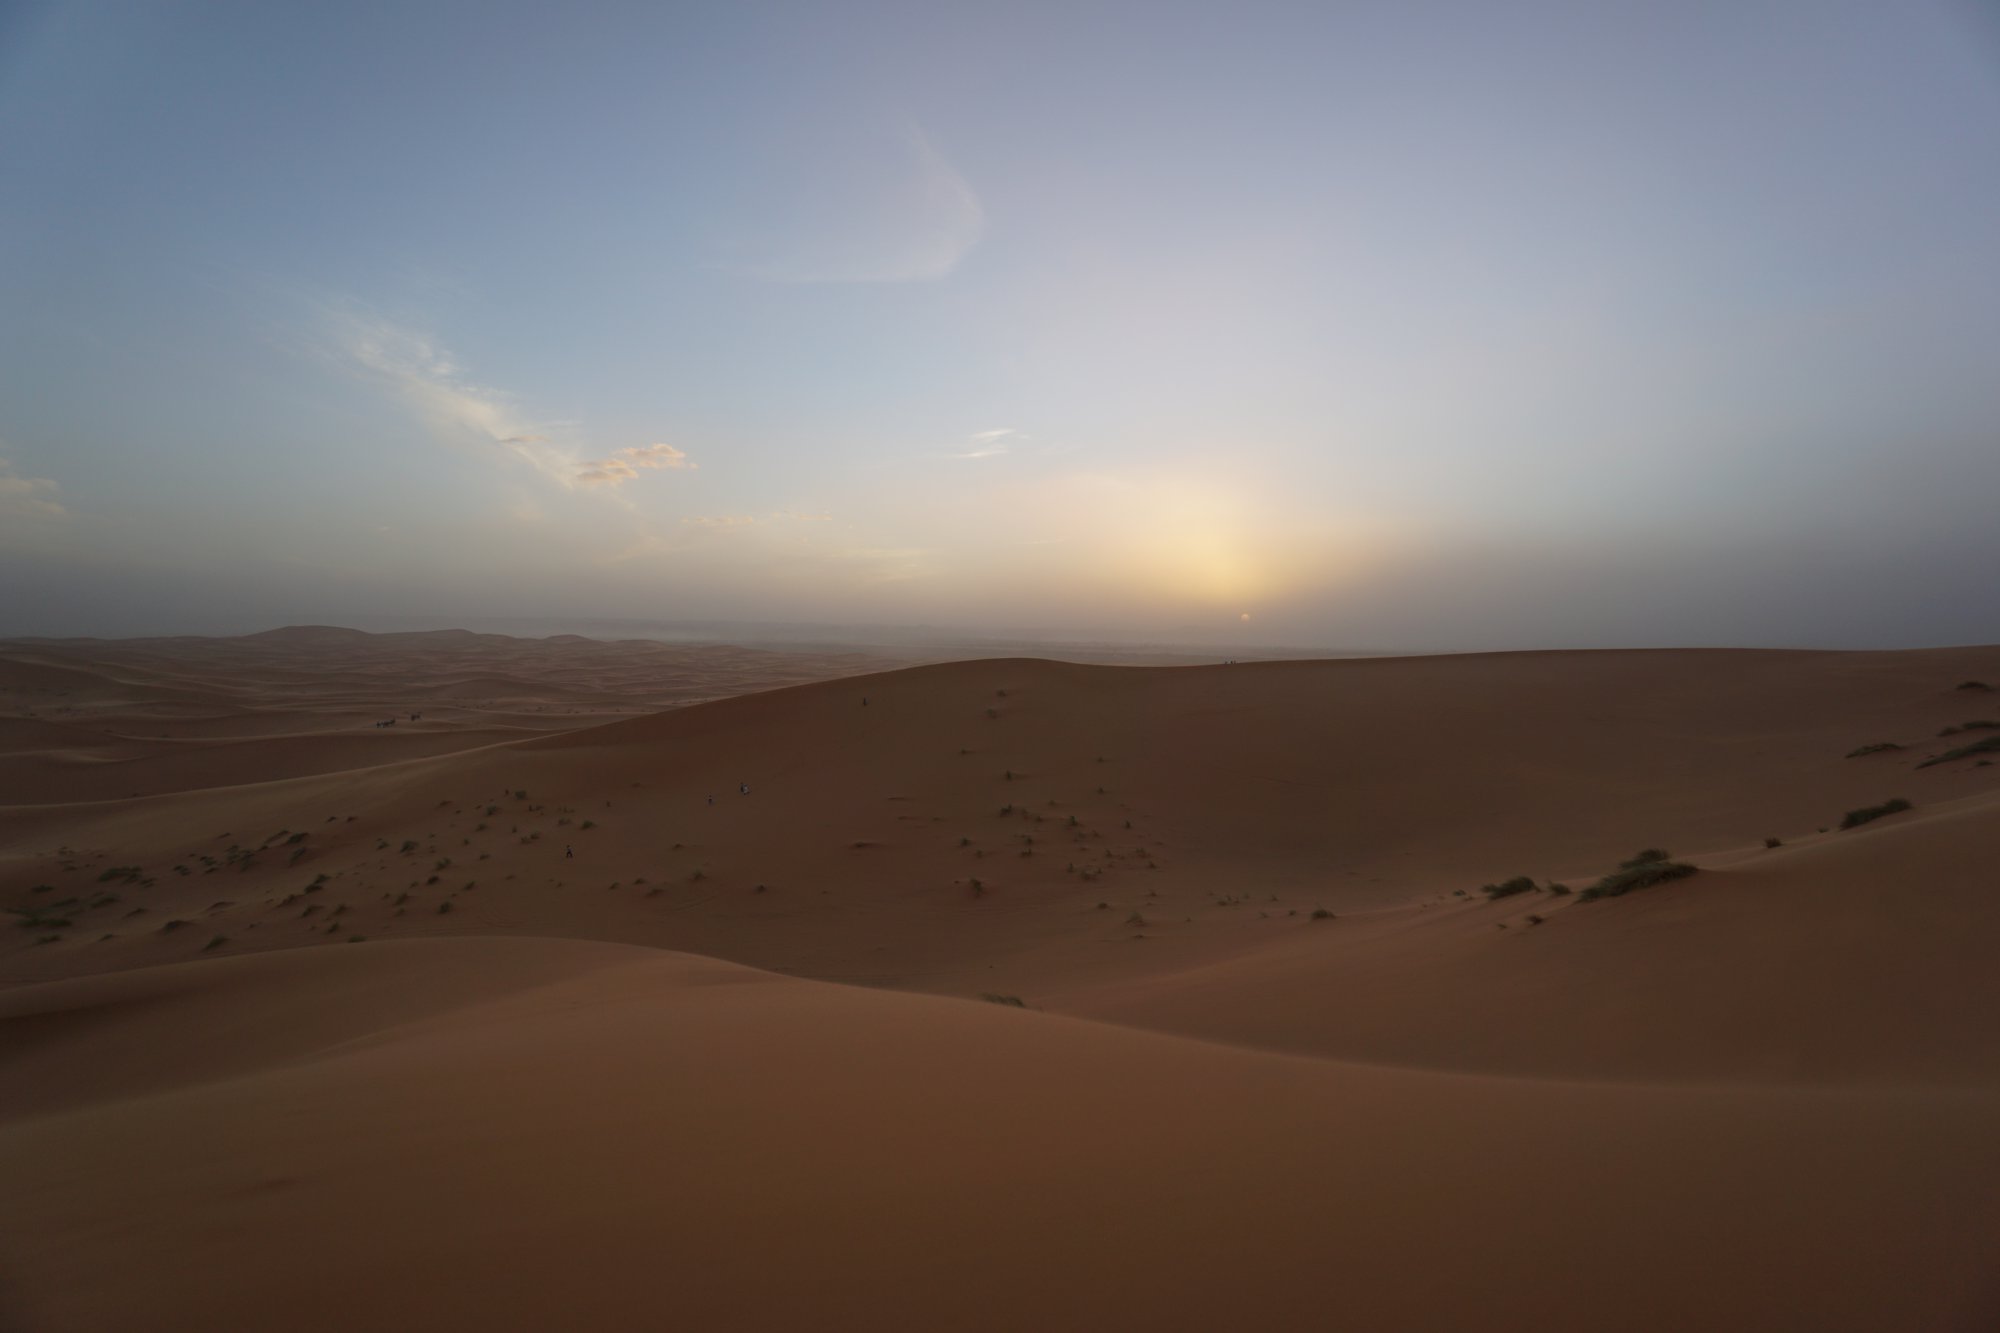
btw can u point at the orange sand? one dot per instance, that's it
(581, 1095)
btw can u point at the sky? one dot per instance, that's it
(1363, 326)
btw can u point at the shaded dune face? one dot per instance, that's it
(1275, 1054)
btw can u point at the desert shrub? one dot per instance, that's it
(1773, 842)
(1014, 1000)
(127, 873)
(1559, 890)
(1135, 920)
(1508, 888)
(1534, 919)
(1321, 914)
(1645, 858)
(1869, 813)
(444, 907)
(1974, 685)
(1984, 745)
(215, 943)
(409, 845)
(1879, 747)
(1637, 873)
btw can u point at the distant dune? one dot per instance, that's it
(1162, 997)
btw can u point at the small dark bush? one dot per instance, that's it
(1645, 858)
(1321, 914)
(215, 943)
(1508, 888)
(1559, 890)
(1013, 1000)
(1636, 874)
(1879, 747)
(1773, 842)
(1974, 685)
(1984, 745)
(1869, 813)
(409, 845)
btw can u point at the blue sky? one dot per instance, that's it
(1366, 325)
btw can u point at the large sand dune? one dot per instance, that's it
(1293, 1068)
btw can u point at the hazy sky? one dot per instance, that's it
(1380, 325)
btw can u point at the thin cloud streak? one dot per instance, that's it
(28, 497)
(458, 411)
(936, 219)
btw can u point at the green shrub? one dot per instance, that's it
(1508, 888)
(1868, 813)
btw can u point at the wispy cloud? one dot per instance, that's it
(917, 226)
(627, 464)
(986, 443)
(457, 410)
(27, 497)
(720, 520)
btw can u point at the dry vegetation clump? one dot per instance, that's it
(1508, 888)
(1643, 871)
(1984, 745)
(1869, 813)
(1879, 747)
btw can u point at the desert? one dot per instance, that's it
(1010, 992)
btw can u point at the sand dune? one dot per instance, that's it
(1292, 1066)
(633, 1138)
